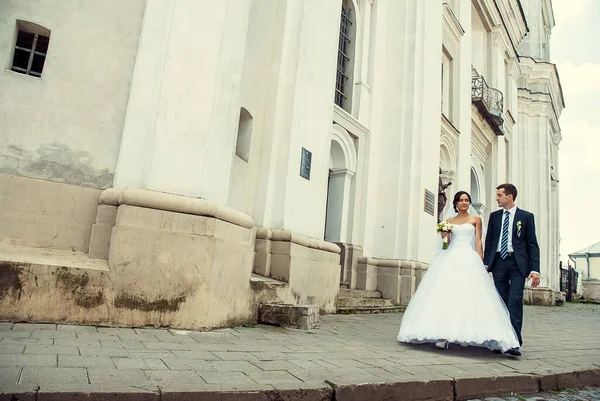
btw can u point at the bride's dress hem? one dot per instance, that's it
(489, 344)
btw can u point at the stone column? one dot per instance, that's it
(184, 103)
(362, 90)
(463, 173)
(405, 129)
(135, 156)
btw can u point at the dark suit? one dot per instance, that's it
(511, 273)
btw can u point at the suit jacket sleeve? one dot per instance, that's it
(533, 248)
(488, 241)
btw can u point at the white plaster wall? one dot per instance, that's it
(531, 45)
(463, 173)
(260, 55)
(405, 137)
(480, 39)
(66, 126)
(312, 117)
(298, 113)
(594, 268)
(535, 188)
(195, 107)
(384, 167)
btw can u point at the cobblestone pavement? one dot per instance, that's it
(346, 350)
(585, 394)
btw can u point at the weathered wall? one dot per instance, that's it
(164, 269)
(45, 214)
(66, 126)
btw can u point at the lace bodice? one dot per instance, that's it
(463, 236)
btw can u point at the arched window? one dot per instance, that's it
(345, 61)
(244, 135)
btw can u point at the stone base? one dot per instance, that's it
(541, 296)
(303, 317)
(349, 256)
(45, 214)
(591, 290)
(309, 266)
(172, 261)
(395, 279)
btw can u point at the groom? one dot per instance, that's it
(512, 254)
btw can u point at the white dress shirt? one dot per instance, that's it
(511, 218)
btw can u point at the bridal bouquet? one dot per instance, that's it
(445, 227)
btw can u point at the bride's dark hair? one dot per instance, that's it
(457, 198)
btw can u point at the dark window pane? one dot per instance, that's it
(42, 44)
(25, 39)
(21, 58)
(38, 63)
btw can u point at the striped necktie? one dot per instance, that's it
(504, 242)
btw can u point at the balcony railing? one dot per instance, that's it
(489, 102)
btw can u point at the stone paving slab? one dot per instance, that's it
(351, 357)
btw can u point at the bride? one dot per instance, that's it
(456, 301)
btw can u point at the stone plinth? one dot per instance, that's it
(540, 296)
(591, 290)
(303, 317)
(395, 279)
(172, 261)
(311, 267)
(349, 256)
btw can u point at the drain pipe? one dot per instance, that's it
(587, 258)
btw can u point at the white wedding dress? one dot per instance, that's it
(457, 300)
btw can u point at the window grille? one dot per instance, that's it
(30, 53)
(343, 61)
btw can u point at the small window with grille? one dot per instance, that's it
(31, 48)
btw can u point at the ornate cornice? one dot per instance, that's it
(541, 74)
(452, 25)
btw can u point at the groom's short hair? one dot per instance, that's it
(509, 189)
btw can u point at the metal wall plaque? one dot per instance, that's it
(429, 206)
(305, 164)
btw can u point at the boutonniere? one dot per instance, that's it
(519, 228)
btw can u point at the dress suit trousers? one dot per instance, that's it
(510, 284)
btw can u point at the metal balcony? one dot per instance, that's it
(489, 102)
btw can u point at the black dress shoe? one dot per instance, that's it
(497, 351)
(514, 352)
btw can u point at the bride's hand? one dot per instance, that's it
(444, 234)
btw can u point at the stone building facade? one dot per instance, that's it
(178, 163)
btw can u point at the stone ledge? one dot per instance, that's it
(436, 389)
(275, 234)
(432, 390)
(557, 381)
(206, 393)
(397, 263)
(173, 203)
(480, 387)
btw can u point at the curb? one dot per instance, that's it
(425, 390)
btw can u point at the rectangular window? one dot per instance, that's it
(30, 53)
(343, 61)
(446, 85)
(507, 87)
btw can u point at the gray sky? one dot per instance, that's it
(575, 50)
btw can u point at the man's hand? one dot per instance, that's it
(535, 279)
